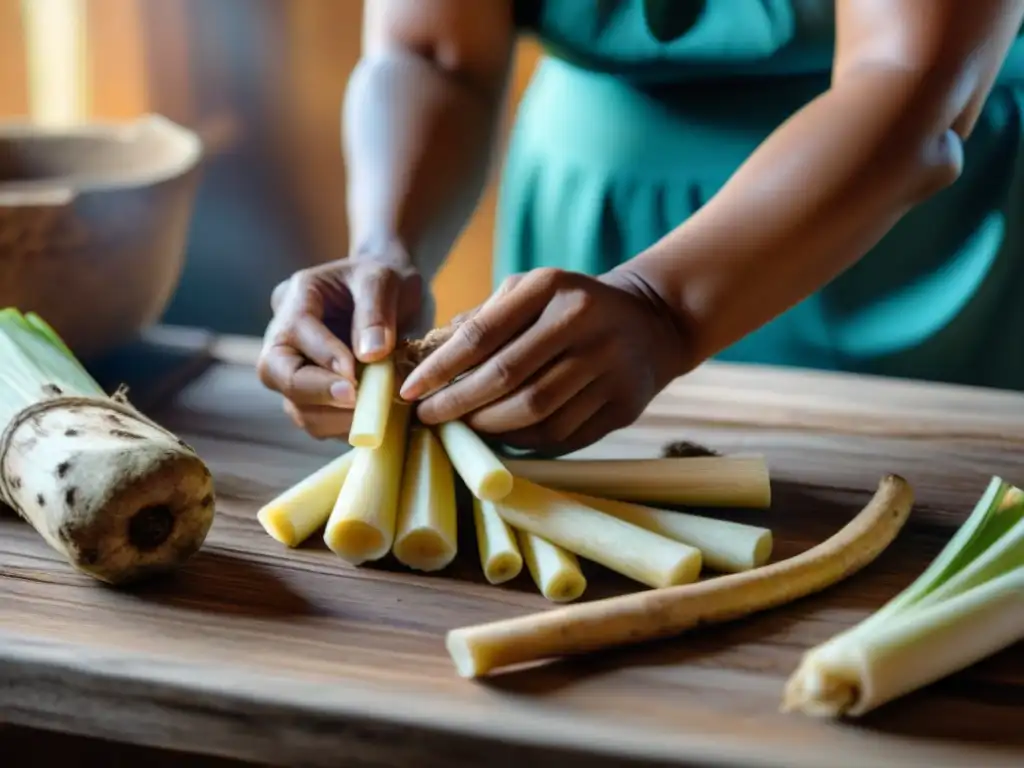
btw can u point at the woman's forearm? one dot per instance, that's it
(814, 198)
(417, 145)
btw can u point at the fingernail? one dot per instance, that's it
(371, 341)
(342, 392)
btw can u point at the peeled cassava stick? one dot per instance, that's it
(649, 615)
(500, 556)
(294, 515)
(555, 571)
(699, 481)
(426, 530)
(968, 604)
(726, 546)
(362, 524)
(483, 473)
(114, 493)
(617, 545)
(373, 404)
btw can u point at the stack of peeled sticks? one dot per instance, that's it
(394, 492)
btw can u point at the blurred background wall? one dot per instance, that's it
(262, 81)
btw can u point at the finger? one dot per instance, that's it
(500, 318)
(299, 323)
(284, 370)
(534, 402)
(571, 428)
(375, 316)
(321, 422)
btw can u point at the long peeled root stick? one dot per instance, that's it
(554, 570)
(426, 528)
(726, 546)
(373, 404)
(617, 545)
(500, 556)
(117, 495)
(481, 470)
(361, 527)
(569, 630)
(701, 481)
(294, 515)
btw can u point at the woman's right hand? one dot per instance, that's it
(328, 318)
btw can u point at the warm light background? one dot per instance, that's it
(262, 81)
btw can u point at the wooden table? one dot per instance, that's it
(295, 658)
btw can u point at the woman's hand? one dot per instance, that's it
(325, 320)
(553, 361)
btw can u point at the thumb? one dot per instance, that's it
(375, 291)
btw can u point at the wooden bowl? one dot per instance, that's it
(93, 225)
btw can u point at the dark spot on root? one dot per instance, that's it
(69, 497)
(90, 556)
(125, 434)
(684, 449)
(150, 527)
(70, 433)
(14, 481)
(184, 445)
(53, 389)
(40, 500)
(63, 468)
(113, 418)
(207, 500)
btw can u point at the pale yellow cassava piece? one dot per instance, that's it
(362, 524)
(500, 556)
(373, 404)
(481, 470)
(726, 546)
(619, 546)
(296, 514)
(555, 571)
(426, 534)
(700, 481)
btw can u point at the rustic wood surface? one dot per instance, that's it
(295, 658)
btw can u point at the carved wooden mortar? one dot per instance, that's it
(93, 225)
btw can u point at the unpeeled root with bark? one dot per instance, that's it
(659, 613)
(121, 498)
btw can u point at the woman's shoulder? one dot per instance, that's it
(676, 37)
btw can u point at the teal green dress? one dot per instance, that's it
(642, 109)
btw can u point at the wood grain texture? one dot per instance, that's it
(296, 658)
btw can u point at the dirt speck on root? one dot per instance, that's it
(69, 497)
(63, 468)
(685, 449)
(70, 433)
(40, 500)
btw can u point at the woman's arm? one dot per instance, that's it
(909, 79)
(420, 115)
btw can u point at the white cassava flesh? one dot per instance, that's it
(117, 495)
(481, 470)
(554, 570)
(373, 404)
(361, 527)
(726, 546)
(426, 533)
(295, 515)
(698, 481)
(627, 549)
(659, 613)
(500, 556)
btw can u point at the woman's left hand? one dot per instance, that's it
(553, 361)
